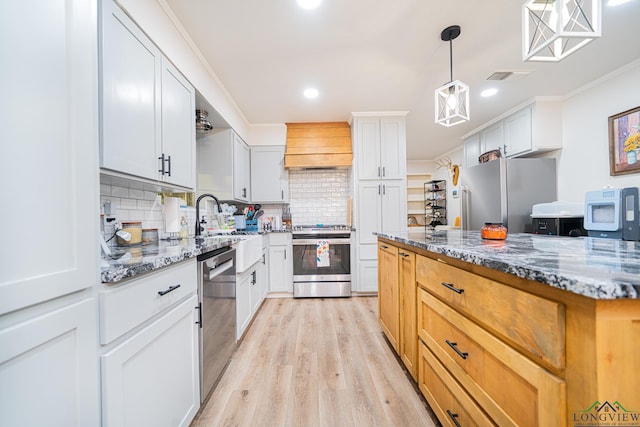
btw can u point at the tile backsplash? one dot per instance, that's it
(316, 197)
(127, 200)
(319, 196)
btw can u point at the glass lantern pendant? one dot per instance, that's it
(451, 99)
(554, 29)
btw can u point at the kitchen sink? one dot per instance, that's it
(248, 251)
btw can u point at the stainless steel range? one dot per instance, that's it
(321, 261)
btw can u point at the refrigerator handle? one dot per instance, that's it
(464, 208)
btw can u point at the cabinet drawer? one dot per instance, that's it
(535, 324)
(448, 400)
(511, 388)
(280, 239)
(128, 305)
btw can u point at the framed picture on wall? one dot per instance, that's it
(624, 142)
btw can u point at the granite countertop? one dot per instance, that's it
(127, 262)
(593, 267)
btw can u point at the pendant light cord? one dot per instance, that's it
(450, 60)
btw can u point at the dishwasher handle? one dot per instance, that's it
(218, 270)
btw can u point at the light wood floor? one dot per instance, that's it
(315, 362)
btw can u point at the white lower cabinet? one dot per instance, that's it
(368, 275)
(152, 378)
(244, 283)
(280, 262)
(49, 369)
(261, 284)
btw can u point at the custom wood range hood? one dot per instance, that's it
(318, 145)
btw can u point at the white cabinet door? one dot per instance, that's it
(393, 157)
(491, 138)
(49, 369)
(517, 133)
(280, 269)
(152, 378)
(369, 212)
(262, 281)
(224, 163)
(269, 179)
(178, 127)
(130, 83)
(368, 276)
(244, 283)
(241, 169)
(472, 150)
(49, 169)
(393, 206)
(367, 134)
(380, 147)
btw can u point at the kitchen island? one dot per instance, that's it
(533, 330)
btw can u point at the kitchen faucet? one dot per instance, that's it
(198, 228)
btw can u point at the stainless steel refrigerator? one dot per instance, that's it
(505, 190)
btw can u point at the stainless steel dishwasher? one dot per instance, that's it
(217, 319)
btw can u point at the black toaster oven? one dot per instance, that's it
(559, 226)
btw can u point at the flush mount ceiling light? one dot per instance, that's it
(309, 4)
(488, 92)
(311, 93)
(554, 29)
(452, 99)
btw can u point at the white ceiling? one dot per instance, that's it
(382, 55)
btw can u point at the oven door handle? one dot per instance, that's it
(301, 242)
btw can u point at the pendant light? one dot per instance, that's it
(554, 29)
(451, 99)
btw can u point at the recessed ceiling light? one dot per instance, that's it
(489, 92)
(309, 4)
(311, 93)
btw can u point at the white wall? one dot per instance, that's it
(583, 163)
(159, 23)
(267, 134)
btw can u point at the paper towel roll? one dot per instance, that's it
(172, 214)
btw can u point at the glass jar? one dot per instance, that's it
(135, 231)
(493, 231)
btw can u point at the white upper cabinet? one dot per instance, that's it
(380, 147)
(51, 167)
(518, 138)
(269, 178)
(224, 166)
(491, 138)
(178, 127)
(241, 169)
(472, 150)
(148, 107)
(537, 127)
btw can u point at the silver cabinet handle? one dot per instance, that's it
(378, 170)
(383, 172)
